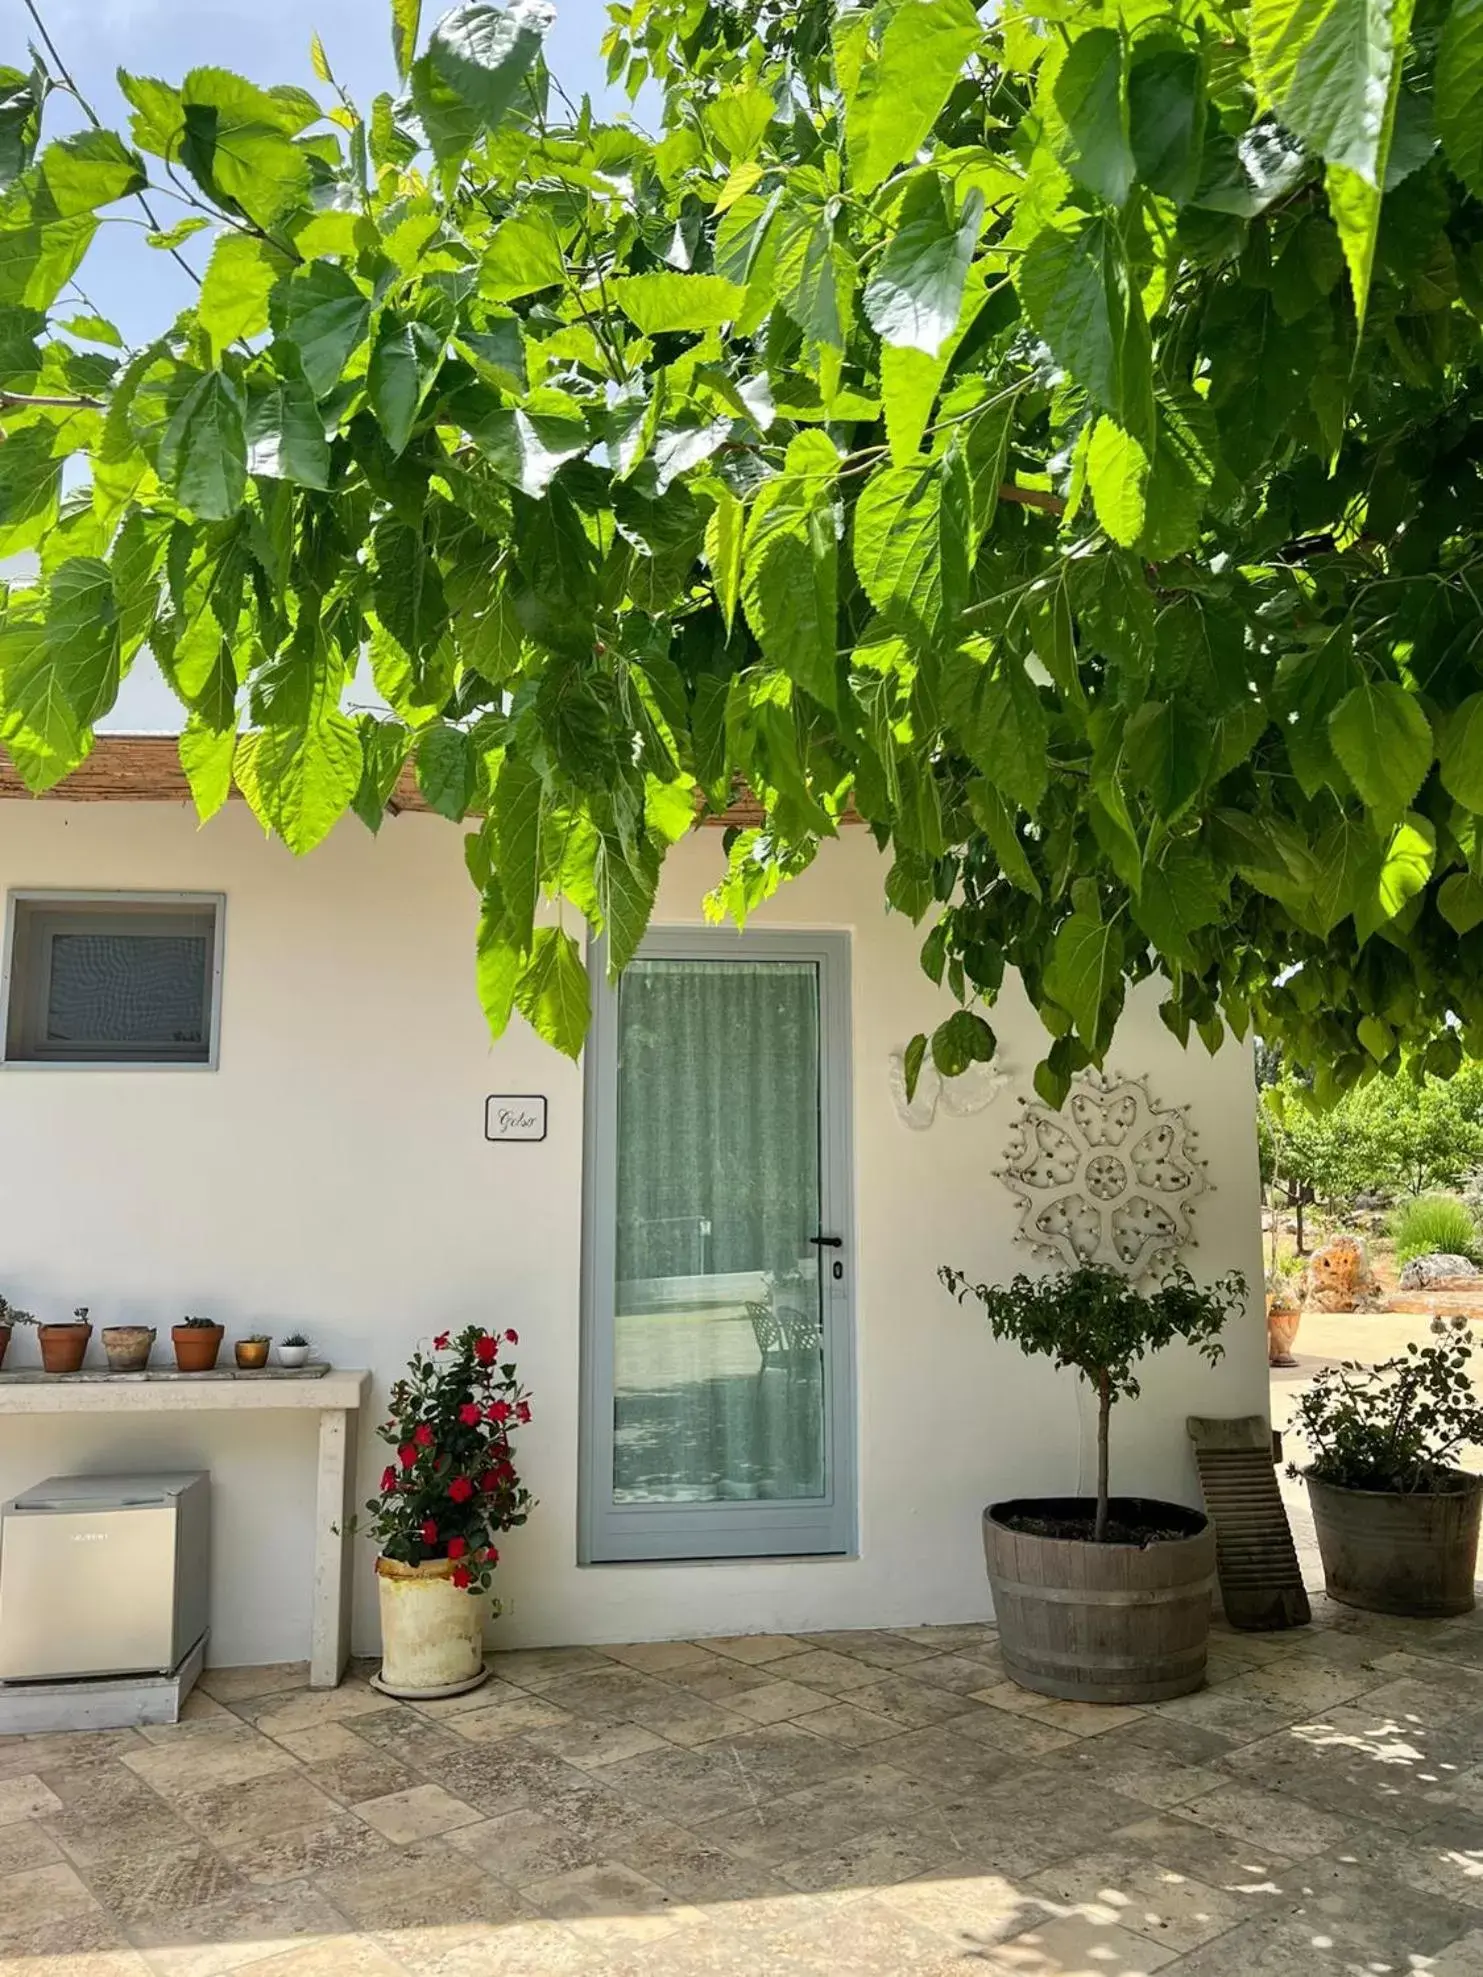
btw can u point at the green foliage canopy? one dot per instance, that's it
(1050, 439)
(1392, 1135)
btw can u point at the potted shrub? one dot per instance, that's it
(1102, 1599)
(64, 1345)
(128, 1347)
(1397, 1520)
(293, 1350)
(10, 1316)
(197, 1342)
(252, 1352)
(444, 1499)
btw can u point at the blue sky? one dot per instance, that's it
(268, 41)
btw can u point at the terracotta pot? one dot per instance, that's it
(128, 1347)
(251, 1354)
(1284, 1315)
(432, 1632)
(63, 1347)
(196, 1346)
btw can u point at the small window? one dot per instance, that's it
(121, 980)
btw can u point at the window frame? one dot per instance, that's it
(22, 973)
(826, 1528)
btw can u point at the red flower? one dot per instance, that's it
(489, 1482)
(457, 1547)
(406, 1455)
(491, 1556)
(422, 1434)
(388, 1478)
(429, 1532)
(463, 1578)
(486, 1347)
(498, 1410)
(469, 1414)
(440, 1343)
(522, 1412)
(512, 1338)
(460, 1489)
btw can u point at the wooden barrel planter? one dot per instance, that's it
(1115, 1623)
(1411, 1554)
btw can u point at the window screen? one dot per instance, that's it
(112, 981)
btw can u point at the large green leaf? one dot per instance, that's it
(1460, 92)
(383, 751)
(1117, 473)
(406, 16)
(206, 757)
(445, 770)
(659, 303)
(523, 254)
(1084, 970)
(20, 123)
(552, 993)
(90, 170)
(407, 588)
(38, 725)
(1091, 92)
(299, 782)
(1166, 120)
(1333, 74)
(476, 66)
(238, 142)
(916, 293)
(37, 260)
(994, 711)
(1078, 291)
(810, 273)
(30, 482)
(790, 567)
(203, 455)
(82, 637)
(1167, 748)
(1460, 757)
(898, 544)
(285, 433)
(529, 449)
(404, 361)
(903, 82)
(519, 808)
(240, 276)
(325, 316)
(1384, 741)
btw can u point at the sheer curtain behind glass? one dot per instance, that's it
(718, 1364)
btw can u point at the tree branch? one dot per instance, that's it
(9, 398)
(1032, 497)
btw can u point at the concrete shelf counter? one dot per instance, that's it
(336, 1395)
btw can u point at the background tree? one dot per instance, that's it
(1052, 440)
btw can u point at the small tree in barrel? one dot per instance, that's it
(1098, 1321)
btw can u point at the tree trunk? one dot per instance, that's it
(1104, 1417)
(1298, 1205)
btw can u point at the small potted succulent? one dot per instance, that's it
(197, 1342)
(252, 1352)
(1105, 1598)
(1396, 1518)
(449, 1492)
(128, 1347)
(10, 1316)
(64, 1345)
(293, 1350)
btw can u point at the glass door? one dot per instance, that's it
(717, 1254)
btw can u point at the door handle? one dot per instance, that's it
(827, 1242)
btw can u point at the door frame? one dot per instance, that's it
(609, 1533)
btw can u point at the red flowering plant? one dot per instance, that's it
(451, 1489)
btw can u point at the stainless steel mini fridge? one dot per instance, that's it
(103, 1575)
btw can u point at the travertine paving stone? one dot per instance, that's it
(881, 1804)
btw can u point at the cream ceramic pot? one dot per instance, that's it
(432, 1632)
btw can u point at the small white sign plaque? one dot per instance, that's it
(517, 1116)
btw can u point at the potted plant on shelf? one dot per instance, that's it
(128, 1347)
(1102, 1599)
(64, 1345)
(252, 1352)
(11, 1315)
(293, 1350)
(197, 1342)
(444, 1499)
(1397, 1520)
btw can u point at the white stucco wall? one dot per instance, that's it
(333, 1175)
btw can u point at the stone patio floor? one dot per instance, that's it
(817, 1806)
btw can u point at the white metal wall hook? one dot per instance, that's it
(958, 1097)
(1112, 1179)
